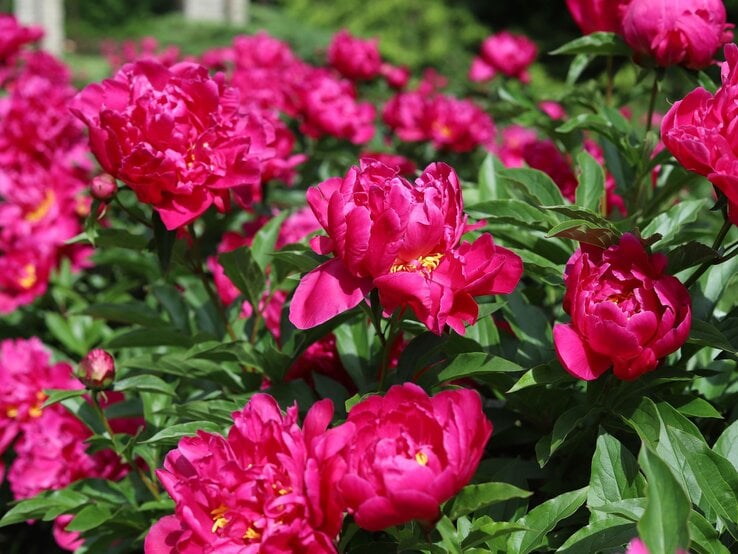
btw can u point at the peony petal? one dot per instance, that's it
(325, 292)
(576, 357)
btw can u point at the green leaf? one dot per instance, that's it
(164, 240)
(697, 407)
(704, 538)
(144, 383)
(663, 526)
(600, 535)
(265, 238)
(173, 302)
(565, 424)
(577, 66)
(706, 334)
(489, 189)
(689, 254)
(727, 444)
(63, 330)
(606, 44)
(449, 536)
(591, 190)
(584, 231)
(54, 396)
(542, 519)
(293, 258)
(513, 211)
(474, 364)
(133, 313)
(543, 374)
(89, 518)
(120, 238)
(240, 267)
(670, 223)
(173, 433)
(614, 474)
(151, 337)
(531, 185)
(475, 497)
(36, 508)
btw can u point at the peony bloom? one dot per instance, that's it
(598, 15)
(265, 488)
(354, 58)
(401, 238)
(458, 125)
(698, 131)
(505, 53)
(409, 453)
(636, 546)
(625, 312)
(676, 32)
(13, 37)
(175, 136)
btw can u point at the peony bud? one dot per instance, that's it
(96, 371)
(103, 187)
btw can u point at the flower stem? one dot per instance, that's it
(120, 451)
(715, 245)
(652, 100)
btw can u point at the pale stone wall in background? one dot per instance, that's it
(48, 14)
(221, 11)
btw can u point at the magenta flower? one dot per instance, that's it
(505, 53)
(175, 136)
(698, 131)
(266, 488)
(409, 453)
(459, 125)
(598, 15)
(96, 370)
(402, 238)
(625, 312)
(14, 36)
(354, 58)
(676, 32)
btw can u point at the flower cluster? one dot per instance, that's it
(403, 239)
(43, 171)
(626, 313)
(50, 449)
(271, 486)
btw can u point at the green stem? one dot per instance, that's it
(652, 100)
(715, 245)
(134, 216)
(120, 451)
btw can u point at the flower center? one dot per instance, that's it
(30, 277)
(422, 458)
(251, 534)
(422, 263)
(43, 208)
(219, 519)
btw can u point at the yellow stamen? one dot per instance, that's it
(422, 458)
(43, 208)
(219, 519)
(12, 412)
(30, 277)
(35, 411)
(252, 534)
(422, 263)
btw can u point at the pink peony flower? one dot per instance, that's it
(96, 370)
(354, 58)
(406, 114)
(697, 130)
(552, 109)
(396, 76)
(459, 125)
(265, 488)
(388, 233)
(505, 53)
(636, 546)
(175, 136)
(625, 312)
(598, 15)
(676, 32)
(405, 166)
(330, 107)
(409, 453)
(14, 36)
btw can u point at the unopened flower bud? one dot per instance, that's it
(103, 187)
(96, 371)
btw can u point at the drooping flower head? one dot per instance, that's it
(264, 488)
(676, 32)
(505, 53)
(626, 313)
(175, 136)
(410, 453)
(402, 238)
